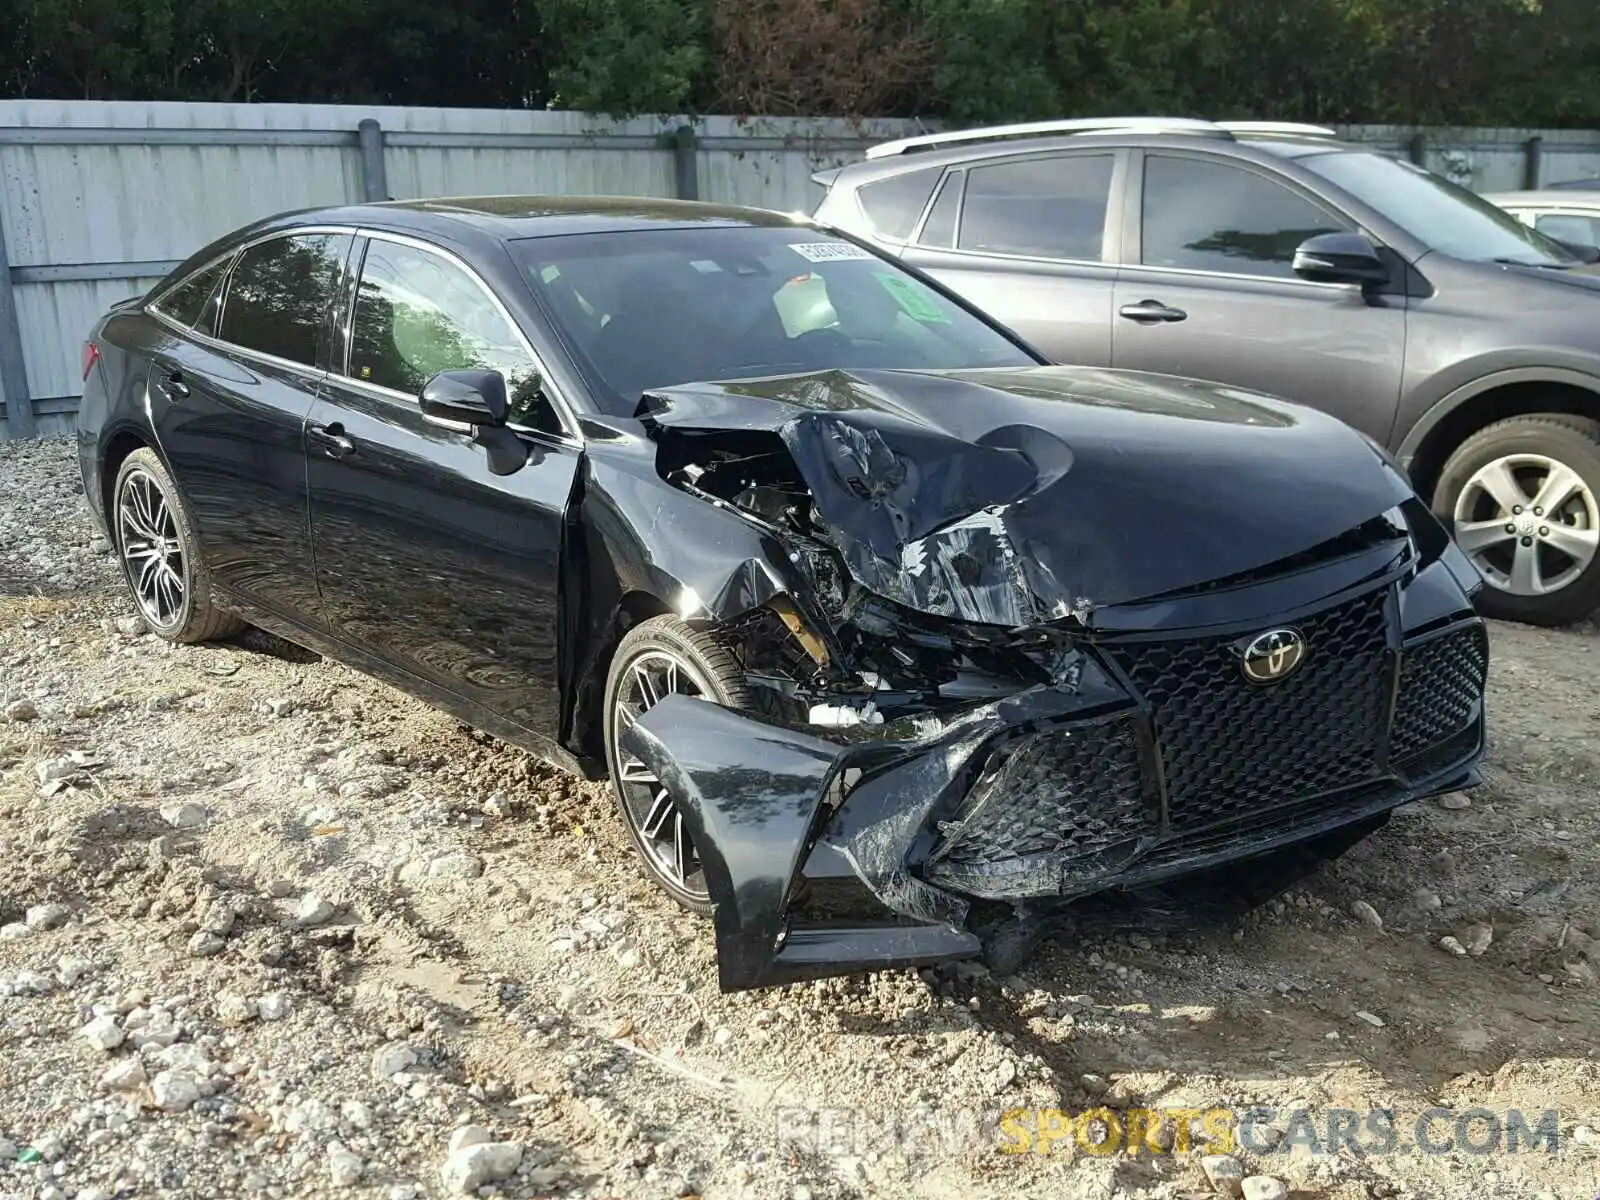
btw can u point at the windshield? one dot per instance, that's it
(653, 308)
(1436, 212)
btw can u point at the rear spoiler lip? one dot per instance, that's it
(826, 178)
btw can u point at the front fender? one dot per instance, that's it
(1443, 395)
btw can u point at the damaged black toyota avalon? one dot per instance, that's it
(895, 642)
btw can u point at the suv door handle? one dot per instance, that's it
(332, 440)
(1150, 311)
(172, 385)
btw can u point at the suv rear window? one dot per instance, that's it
(894, 204)
(1040, 207)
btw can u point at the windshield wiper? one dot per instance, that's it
(1522, 262)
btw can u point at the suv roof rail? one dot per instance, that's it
(1284, 127)
(994, 133)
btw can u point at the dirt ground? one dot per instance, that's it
(313, 927)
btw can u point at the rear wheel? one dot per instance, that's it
(161, 556)
(1524, 497)
(657, 658)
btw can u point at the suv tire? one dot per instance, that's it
(1540, 567)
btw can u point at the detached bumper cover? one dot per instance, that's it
(1056, 792)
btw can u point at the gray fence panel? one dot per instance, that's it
(99, 199)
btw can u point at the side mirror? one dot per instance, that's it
(476, 398)
(1340, 258)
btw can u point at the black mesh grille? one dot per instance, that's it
(1074, 795)
(1441, 683)
(1230, 748)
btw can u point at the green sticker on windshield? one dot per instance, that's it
(916, 303)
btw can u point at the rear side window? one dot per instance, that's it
(1205, 216)
(185, 302)
(1040, 207)
(894, 204)
(280, 292)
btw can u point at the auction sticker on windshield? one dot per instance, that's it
(819, 252)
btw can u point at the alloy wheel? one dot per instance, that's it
(648, 678)
(152, 553)
(1529, 523)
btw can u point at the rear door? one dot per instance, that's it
(427, 560)
(228, 401)
(1207, 290)
(1028, 241)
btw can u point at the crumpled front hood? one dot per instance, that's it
(1014, 497)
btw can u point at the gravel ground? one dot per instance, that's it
(270, 928)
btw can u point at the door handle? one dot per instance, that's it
(1148, 312)
(332, 440)
(173, 387)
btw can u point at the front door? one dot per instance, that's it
(228, 401)
(1208, 291)
(426, 559)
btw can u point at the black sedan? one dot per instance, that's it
(893, 641)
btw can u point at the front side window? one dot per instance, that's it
(652, 308)
(1207, 216)
(418, 313)
(280, 292)
(187, 301)
(1435, 211)
(1040, 207)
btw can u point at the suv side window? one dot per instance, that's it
(1039, 207)
(1207, 216)
(418, 313)
(1569, 227)
(279, 294)
(893, 205)
(186, 301)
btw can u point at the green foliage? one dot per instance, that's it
(1504, 62)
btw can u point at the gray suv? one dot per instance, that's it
(1277, 258)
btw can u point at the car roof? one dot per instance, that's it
(512, 218)
(1563, 196)
(1244, 146)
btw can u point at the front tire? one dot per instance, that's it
(658, 657)
(160, 555)
(1523, 496)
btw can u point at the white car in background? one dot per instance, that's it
(1569, 215)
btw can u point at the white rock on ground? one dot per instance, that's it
(103, 1033)
(1265, 1187)
(274, 1006)
(471, 1167)
(234, 1010)
(124, 1076)
(175, 1091)
(47, 916)
(344, 1166)
(469, 1135)
(1225, 1173)
(183, 814)
(389, 1060)
(312, 910)
(205, 944)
